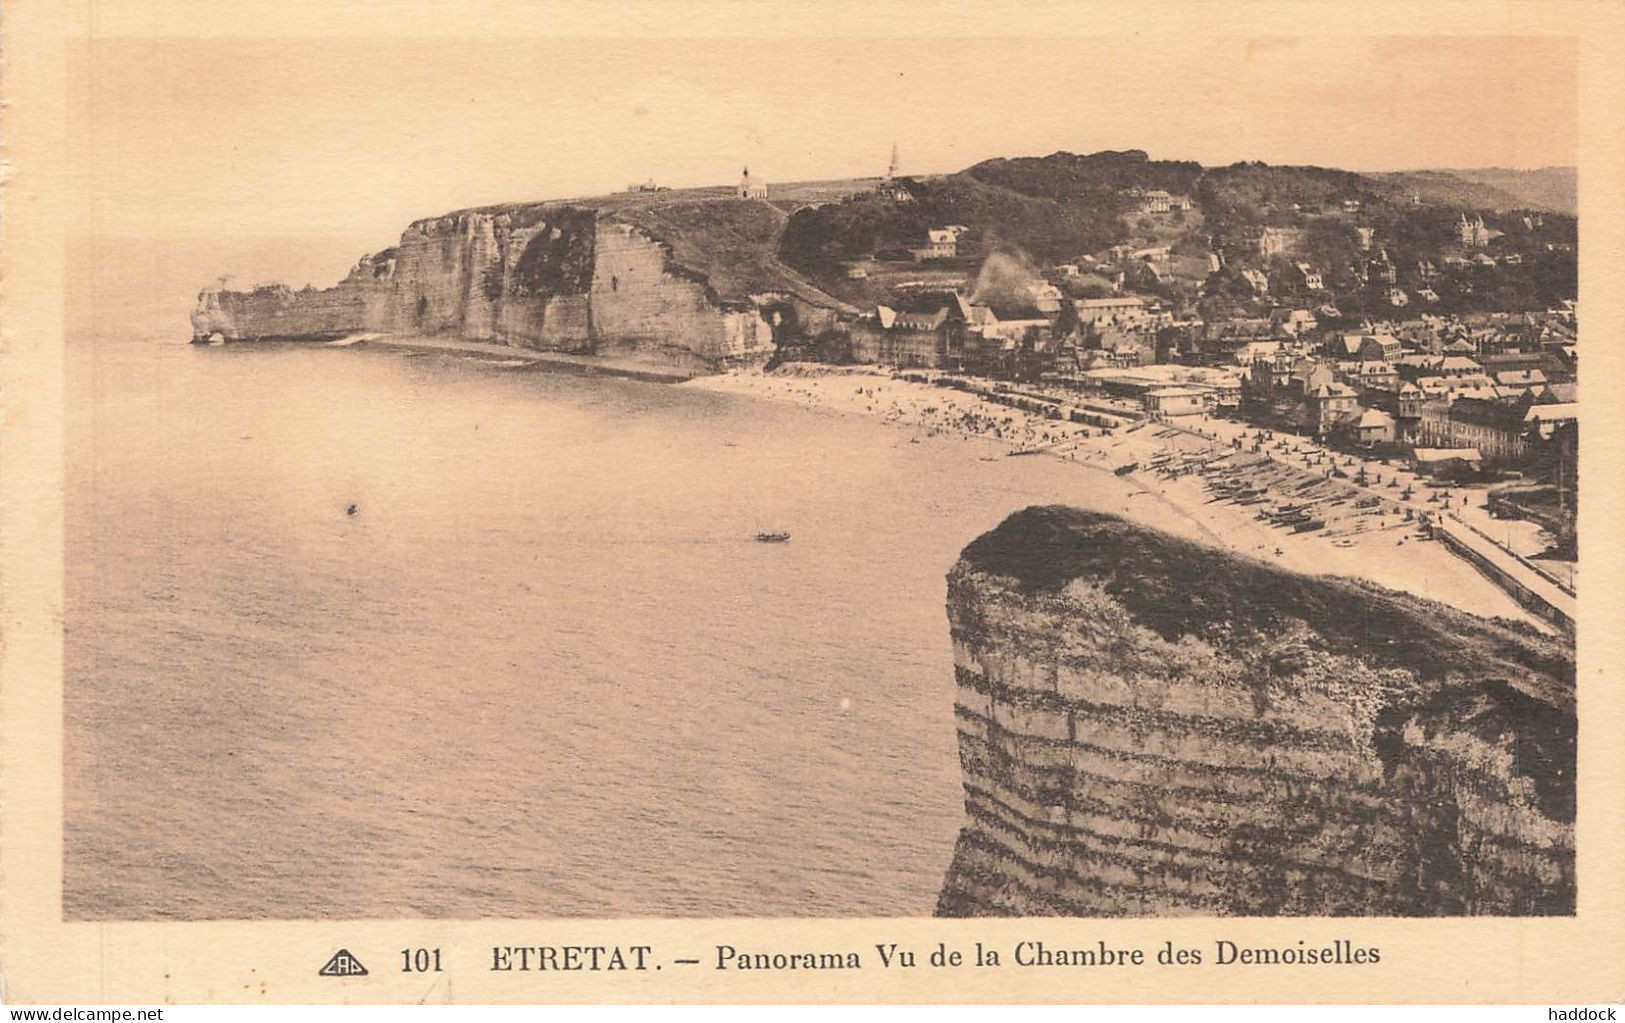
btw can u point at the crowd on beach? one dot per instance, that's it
(927, 411)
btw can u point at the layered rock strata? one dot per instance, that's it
(549, 276)
(1152, 727)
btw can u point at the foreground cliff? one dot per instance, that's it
(687, 280)
(1152, 727)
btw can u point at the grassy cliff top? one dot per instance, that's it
(1176, 587)
(729, 243)
(733, 243)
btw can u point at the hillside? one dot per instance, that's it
(732, 245)
(1550, 189)
(1448, 188)
(1355, 229)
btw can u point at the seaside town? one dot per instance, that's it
(1420, 411)
(1343, 359)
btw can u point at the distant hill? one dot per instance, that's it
(1553, 189)
(1066, 176)
(1368, 237)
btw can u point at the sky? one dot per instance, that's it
(352, 138)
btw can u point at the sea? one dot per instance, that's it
(356, 633)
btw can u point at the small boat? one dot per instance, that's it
(772, 537)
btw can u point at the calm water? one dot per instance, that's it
(542, 671)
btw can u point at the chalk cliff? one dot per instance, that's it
(689, 282)
(1152, 727)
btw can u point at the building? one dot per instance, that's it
(1495, 428)
(929, 334)
(1459, 366)
(1295, 322)
(1377, 376)
(940, 243)
(1446, 463)
(1374, 427)
(1274, 241)
(1369, 347)
(1172, 402)
(891, 187)
(1309, 375)
(1270, 376)
(1543, 421)
(1411, 399)
(1046, 298)
(1383, 268)
(1155, 201)
(1159, 201)
(1123, 309)
(1433, 387)
(1473, 233)
(1219, 388)
(1415, 365)
(1310, 278)
(1330, 404)
(1521, 378)
(750, 188)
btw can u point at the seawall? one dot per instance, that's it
(556, 277)
(1149, 727)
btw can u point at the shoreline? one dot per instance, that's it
(515, 357)
(1391, 556)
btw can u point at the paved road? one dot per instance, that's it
(1528, 578)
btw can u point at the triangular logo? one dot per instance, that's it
(343, 964)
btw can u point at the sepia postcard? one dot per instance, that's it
(725, 502)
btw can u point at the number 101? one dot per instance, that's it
(420, 960)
